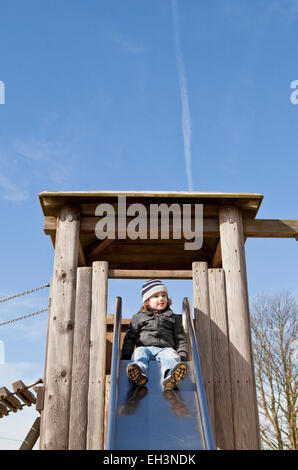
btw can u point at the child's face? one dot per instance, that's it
(158, 301)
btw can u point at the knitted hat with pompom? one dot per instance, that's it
(151, 287)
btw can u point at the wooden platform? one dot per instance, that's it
(158, 253)
(80, 335)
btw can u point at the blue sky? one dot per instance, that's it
(139, 95)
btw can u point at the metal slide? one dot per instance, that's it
(148, 418)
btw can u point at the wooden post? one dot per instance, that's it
(107, 398)
(224, 437)
(246, 427)
(55, 417)
(80, 363)
(203, 331)
(97, 365)
(32, 436)
(41, 436)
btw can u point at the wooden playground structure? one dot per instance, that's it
(79, 336)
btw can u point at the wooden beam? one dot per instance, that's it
(149, 274)
(99, 248)
(55, 416)
(50, 225)
(224, 429)
(50, 197)
(216, 260)
(88, 225)
(81, 255)
(41, 437)
(270, 228)
(80, 362)
(39, 398)
(245, 412)
(262, 228)
(97, 364)
(107, 398)
(32, 436)
(202, 325)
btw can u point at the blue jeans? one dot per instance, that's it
(167, 357)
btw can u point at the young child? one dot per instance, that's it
(158, 335)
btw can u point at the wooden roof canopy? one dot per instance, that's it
(166, 254)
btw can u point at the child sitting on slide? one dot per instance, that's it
(158, 335)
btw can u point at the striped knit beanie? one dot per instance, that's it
(151, 287)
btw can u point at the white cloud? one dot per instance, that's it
(11, 191)
(33, 159)
(186, 120)
(35, 149)
(26, 371)
(41, 152)
(127, 43)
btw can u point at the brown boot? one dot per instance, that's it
(177, 374)
(136, 375)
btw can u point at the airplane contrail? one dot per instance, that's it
(186, 121)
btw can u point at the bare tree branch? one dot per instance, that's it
(274, 332)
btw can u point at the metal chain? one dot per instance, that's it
(24, 316)
(24, 293)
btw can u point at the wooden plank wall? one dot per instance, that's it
(212, 336)
(74, 406)
(227, 370)
(224, 430)
(92, 333)
(55, 417)
(97, 364)
(91, 363)
(202, 325)
(80, 363)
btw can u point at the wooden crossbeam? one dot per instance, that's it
(149, 274)
(262, 228)
(81, 255)
(270, 228)
(99, 248)
(216, 260)
(88, 225)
